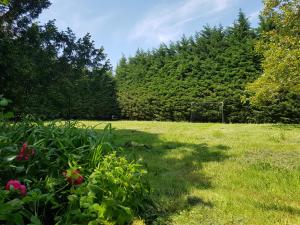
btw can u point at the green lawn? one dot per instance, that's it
(218, 173)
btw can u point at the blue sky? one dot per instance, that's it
(123, 26)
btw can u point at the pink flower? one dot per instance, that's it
(16, 185)
(23, 190)
(73, 176)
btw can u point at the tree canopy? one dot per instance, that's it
(211, 67)
(276, 94)
(242, 73)
(51, 73)
(280, 46)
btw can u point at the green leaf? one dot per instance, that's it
(3, 101)
(35, 220)
(96, 190)
(10, 158)
(20, 169)
(8, 115)
(18, 219)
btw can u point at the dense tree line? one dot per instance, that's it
(51, 73)
(251, 75)
(194, 77)
(196, 73)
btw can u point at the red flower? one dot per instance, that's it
(16, 185)
(22, 152)
(73, 176)
(25, 152)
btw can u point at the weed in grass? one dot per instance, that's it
(217, 134)
(278, 137)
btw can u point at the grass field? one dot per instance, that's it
(218, 173)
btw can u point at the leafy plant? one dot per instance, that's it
(112, 193)
(65, 165)
(3, 104)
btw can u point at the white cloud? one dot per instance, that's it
(77, 15)
(166, 22)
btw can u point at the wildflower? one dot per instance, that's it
(22, 151)
(25, 152)
(73, 176)
(16, 185)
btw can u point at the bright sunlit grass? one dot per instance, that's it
(218, 173)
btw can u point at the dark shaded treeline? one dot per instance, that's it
(52, 74)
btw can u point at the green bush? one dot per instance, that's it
(65, 173)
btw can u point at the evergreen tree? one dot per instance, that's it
(211, 67)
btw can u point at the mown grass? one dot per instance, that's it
(218, 173)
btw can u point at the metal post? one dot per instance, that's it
(222, 111)
(191, 115)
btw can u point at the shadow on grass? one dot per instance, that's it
(175, 169)
(277, 207)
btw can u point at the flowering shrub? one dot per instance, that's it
(16, 185)
(57, 173)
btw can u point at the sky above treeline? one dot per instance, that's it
(123, 26)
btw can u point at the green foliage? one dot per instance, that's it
(191, 78)
(3, 104)
(113, 193)
(108, 188)
(4, 2)
(50, 73)
(213, 66)
(280, 46)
